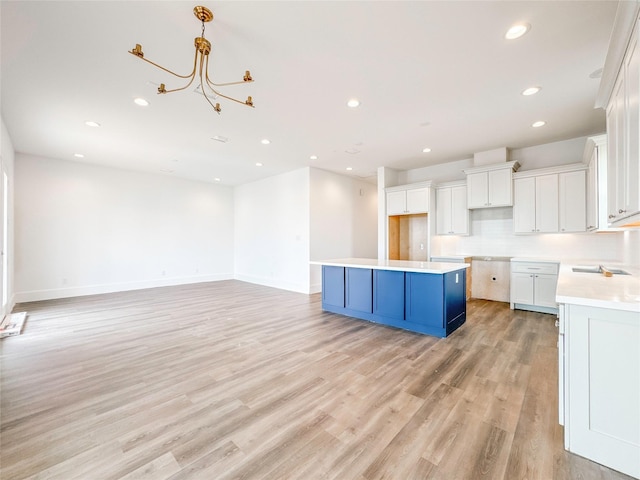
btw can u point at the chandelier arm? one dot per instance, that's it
(228, 84)
(229, 98)
(216, 107)
(195, 61)
(181, 88)
(212, 84)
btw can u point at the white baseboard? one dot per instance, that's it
(36, 295)
(315, 288)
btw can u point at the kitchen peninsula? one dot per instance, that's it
(422, 297)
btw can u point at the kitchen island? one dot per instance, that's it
(423, 297)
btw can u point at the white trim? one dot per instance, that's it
(626, 16)
(36, 295)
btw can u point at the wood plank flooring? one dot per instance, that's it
(229, 380)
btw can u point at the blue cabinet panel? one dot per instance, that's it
(424, 299)
(388, 294)
(359, 289)
(333, 286)
(456, 297)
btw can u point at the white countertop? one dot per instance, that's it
(620, 292)
(536, 260)
(397, 265)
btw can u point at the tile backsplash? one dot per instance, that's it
(492, 234)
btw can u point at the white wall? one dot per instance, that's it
(7, 158)
(272, 231)
(344, 219)
(84, 229)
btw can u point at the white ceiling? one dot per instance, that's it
(428, 74)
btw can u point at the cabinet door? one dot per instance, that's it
(524, 205)
(592, 191)
(418, 200)
(500, 187)
(522, 288)
(616, 150)
(396, 203)
(546, 203)
(333, 286)
(424, 299)
(477, 190)
(388, 294)
(632, 164)
(572, 204)
(359, 289)
(602, 420)
(443, 211)
(544, 287)
(459, 211)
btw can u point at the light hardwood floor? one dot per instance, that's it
(228, 380)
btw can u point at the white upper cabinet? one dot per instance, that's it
(595, 156)
(572, 201)
(550, 200)
(491, 185)
(623, 132)
(452, 215)
(408, 199)
(535, 208)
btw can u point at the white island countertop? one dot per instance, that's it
(619, 292)
(397, 265)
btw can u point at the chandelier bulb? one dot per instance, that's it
(217, 108)
(247, 76)
(249, 101)
(162, 89)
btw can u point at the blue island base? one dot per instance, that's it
(426, 303)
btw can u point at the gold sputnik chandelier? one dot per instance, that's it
(200, 67)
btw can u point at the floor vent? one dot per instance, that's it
(12, 324)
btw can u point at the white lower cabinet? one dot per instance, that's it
(533, 286)
(600, 395)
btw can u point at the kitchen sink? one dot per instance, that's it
(598, 269)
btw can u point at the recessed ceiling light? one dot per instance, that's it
(313, 157)
(78, 155)
(349, 169)
(517, 31)
(140, 101)
(90, 123)
(258, 164)
(539, 123)
(530, 91)
(426, 150)
(216, 179)
(265, 141)
(353, 103)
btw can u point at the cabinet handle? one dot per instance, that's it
(612, 215)
(557, 323)
(622, 211)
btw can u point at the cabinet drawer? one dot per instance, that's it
(520, 267)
